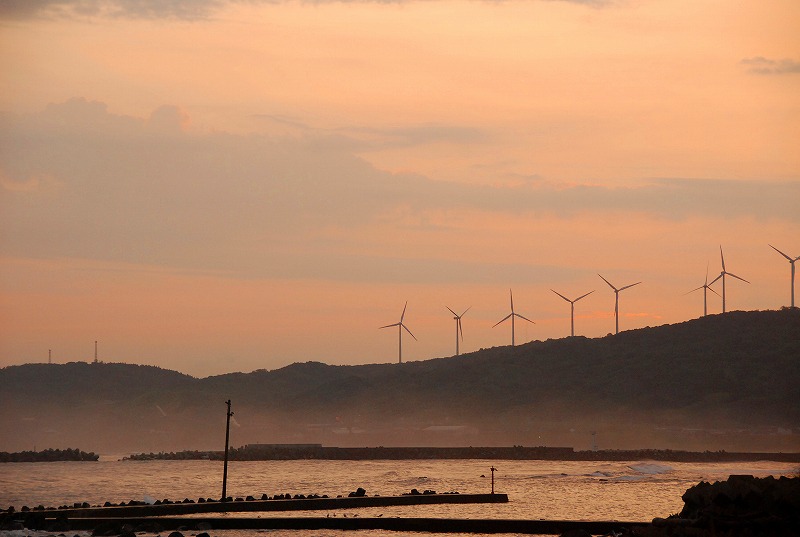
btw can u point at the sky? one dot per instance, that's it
(214, 186)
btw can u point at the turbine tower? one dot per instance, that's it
(792, 262)
(512, 315)
(616, 300)
(400, 326)
(706, 288)
(722, 275)
(459, 331)
(572, 304)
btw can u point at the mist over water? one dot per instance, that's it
(572, 490)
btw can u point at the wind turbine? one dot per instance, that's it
(722, 275)
(400, 326)
(512, 315)
(616, 299)
(792, 262)
(706, 288)
(457, 319)
(572, 304)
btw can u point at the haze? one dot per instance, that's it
(216, 186)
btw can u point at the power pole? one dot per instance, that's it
(227, 440)
(493, 470)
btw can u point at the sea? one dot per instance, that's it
(551, 490)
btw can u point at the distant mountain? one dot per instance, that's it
(720, 382)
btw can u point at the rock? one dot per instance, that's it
(127, 531)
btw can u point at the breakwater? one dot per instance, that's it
(433, 525)
(262, 452)
(190, 507)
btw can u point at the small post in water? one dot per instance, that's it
(227, 440)
(492, 469)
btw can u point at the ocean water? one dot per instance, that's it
(570, 490)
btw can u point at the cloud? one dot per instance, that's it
(79, 181)
(160, 9)
(765, 66)
(139, 9)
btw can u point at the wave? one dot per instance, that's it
(650, 468)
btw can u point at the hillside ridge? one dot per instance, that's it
(727, 375)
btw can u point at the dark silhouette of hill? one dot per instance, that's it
(720, 382)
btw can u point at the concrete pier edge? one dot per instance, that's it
(433, 525)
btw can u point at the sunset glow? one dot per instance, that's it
(228, 186)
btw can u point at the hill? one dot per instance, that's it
(719, 382)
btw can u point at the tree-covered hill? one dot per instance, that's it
(720, 382)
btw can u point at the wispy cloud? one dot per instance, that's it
(149, 191)
(764, 66)
(162, 9)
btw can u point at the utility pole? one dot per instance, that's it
(493, 470)
(227, 440)
(49, 356)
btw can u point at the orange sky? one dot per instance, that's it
(218, 186)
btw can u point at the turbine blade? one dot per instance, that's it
(737, 277)
(784, 255)
(717, 278)
(707, 272)
(583, 296)
(631, 285)
(460, 330)
(693, 290)
(409, 331)
(523, 317)
(710, 289)
(562, 296)
(512, 300)
(608, 282)
(451, 311)
(389, 325)
(404, 312)
(465, 311)
(722, 258)
(503, 319)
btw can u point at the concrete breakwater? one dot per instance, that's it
(254, 452)
(433, 525)
(189, 507)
